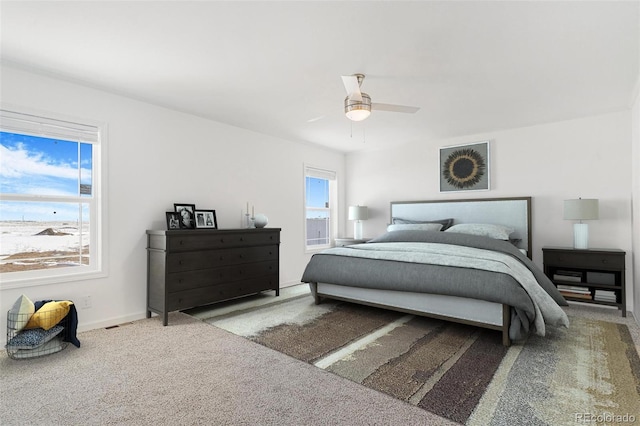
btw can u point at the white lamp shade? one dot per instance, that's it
(581, 209)
(358, 213)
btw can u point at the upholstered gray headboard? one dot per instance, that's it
(514, 212)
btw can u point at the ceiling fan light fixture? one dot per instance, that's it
(357, 110)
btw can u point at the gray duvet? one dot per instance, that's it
(451, 264)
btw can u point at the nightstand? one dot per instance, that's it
(590, 276)
(341, 242)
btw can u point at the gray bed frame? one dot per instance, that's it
(512, 211)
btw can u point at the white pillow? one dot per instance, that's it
(414, 227)
(497, 232)
(20, 313)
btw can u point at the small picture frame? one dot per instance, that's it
(173, 220)
(206, 219)
(186, 211)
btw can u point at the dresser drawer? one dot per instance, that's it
(206, 295)
(206, 259)
(213, 240)
(180, 281)
(591, 260)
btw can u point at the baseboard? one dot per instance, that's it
(110, 322)
(291, 283)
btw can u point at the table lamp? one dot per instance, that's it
(358, 213)
(581, 209)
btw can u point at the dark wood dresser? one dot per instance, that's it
(194, 267)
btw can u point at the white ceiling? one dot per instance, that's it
(271, 67)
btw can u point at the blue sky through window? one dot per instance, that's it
(317, 192)
(34, 165)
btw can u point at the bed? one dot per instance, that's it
(467, 261)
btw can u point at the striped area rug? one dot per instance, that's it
(459, 372)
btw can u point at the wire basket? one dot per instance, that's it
(27, 339)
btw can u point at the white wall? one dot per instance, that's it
(156, 157)
(586, 158)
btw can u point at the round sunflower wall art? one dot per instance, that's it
(464, 167)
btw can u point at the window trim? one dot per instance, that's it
(332, 177)
(98, 222)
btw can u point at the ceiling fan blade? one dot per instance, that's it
(395, 108)
(353, 88)
(313, 120)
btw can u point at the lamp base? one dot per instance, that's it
(580, 236)
(357, 230)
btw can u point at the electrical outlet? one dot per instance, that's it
(85, 302)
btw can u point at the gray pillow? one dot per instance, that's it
(405, 237)
(52, 346)
(446, 223)
(414, 227)
(497, 232)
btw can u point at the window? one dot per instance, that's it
(320, 195)
(50, 203)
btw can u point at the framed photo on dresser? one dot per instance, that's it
(186, 211)
(206, 219)
(173, 220)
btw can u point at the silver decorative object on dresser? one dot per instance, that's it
(260, 220)
(189, 268)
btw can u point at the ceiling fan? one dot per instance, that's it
(357, 104)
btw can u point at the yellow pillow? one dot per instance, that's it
(49, 315)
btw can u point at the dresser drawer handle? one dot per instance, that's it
(241, 239)
(604, 260)
(221, 257)
(181, 242)
(179, 262)
(222, 240)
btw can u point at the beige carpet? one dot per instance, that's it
(192, 373)
(188, 373)
(460, 372)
